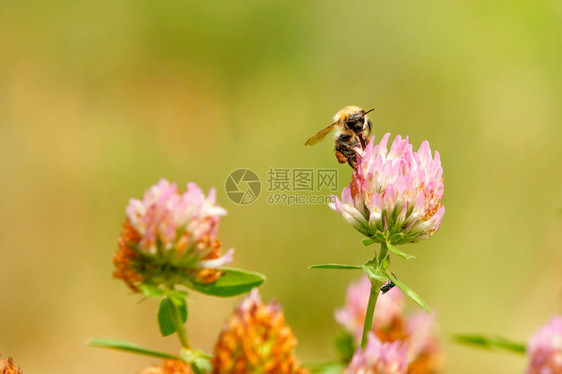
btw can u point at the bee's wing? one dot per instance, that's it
(320, 135)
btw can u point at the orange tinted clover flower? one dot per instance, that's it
(256, 340)
(394, 196)
(170, 237)
(7, 366)
(169, 367)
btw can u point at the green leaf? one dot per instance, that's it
(203, 364)
(178, 294)
(368, 241)
(395, 238)
(408, 292)
(398, 252)
(150, 290)
(345, 346)
(200, 361)
(335, 266)
(193, 355)
(379, 237)
(165, 321)
(374, 274)
(233, 282)
(122, 345)
(385, 263)
(492, 342)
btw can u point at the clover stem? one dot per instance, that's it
(373, 296)
(382, 255)
(178, 324)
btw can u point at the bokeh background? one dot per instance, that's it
(91, 114)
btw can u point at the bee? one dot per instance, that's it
(353, 128)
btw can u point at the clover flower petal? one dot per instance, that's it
(545, 348)
(170, 237)
(391, 323)
(7, 366)
(394, 195)
(379, 358)
(169, 367)
(256, 339)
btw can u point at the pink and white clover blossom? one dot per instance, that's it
(167, 219)
(545, 348)
(391, 323)
(379, 358)
(394, 196)
(169, 234)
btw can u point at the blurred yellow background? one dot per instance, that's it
(88, 119)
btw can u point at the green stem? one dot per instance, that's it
(196, 369)
(382, 254)
(373, 296)
(176, 320)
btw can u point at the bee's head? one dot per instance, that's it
(356, 120)
(349, 111)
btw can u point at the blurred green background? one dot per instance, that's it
(88, 119)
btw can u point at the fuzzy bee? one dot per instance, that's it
(353, 129)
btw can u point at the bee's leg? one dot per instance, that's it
(345, 149)
(351, 159)
(369, 127)
(362, 140)
(341, 158)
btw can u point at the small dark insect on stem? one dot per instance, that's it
(388, 285)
